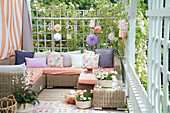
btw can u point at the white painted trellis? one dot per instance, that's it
(53, 18)
(159, 41)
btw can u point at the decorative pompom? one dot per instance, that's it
(57, 36)
(111, 36)
(57, 27)
(97, 29)
(91, 40)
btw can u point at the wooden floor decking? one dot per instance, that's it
(58, 94)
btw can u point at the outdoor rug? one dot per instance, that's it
(59, 107)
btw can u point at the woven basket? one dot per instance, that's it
(8, 104)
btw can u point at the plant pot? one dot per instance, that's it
(83, 104)
(105, 83)
(28, 109)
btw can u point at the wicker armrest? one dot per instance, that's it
(117, 64)
(6, 84)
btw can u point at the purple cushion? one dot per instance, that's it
(106, 57)
(91, 40)
(20, 56)
(36, 62)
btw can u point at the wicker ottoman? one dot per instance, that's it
(108, 98)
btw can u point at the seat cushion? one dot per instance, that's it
(37, 73)
(106, 57)
(67, 57)
(63, 71)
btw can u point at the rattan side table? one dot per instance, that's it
(108, 98)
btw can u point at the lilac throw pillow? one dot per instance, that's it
(36, 62)
(91, 40)
(106, 57)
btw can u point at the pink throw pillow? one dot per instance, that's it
(36, 62)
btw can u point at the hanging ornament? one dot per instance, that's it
(91, 40)
(68, 36)
(92, 22)
(97, 29)
(57, 36)
(57, 27)
(111, 36)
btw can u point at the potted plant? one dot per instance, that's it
(106, 79)
(84, 99)
(26, 98)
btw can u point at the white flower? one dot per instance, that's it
(85, 90)
(70, 3)
(48, 28)
(60, 4)
(114, 72)
(95, 2)
(140, 69)
(84, 98)
(81, 93)
(91, 9)
(34, 5)
(91, 91)
(107, 73)
(77, 5)
(43, 10)
(81, 96)
(89, 98)
(107, 6)
(98, 76)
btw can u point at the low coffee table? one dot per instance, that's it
(108, 98)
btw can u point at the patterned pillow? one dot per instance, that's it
(91, 60)
(55, 59)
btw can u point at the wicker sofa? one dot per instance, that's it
(45, 80)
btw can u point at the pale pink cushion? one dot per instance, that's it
(37, 73)
(63, 71)
(36, 62)
(87, 80)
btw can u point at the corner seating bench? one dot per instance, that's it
(46, 79)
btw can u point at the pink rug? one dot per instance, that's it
(59, 107)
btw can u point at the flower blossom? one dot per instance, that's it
(34, 1)
(91, 9)
(107, 6)
(77, 5)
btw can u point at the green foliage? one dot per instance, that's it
(24, 95)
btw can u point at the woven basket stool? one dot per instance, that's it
(108, 98)
(8, 104)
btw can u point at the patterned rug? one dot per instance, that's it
(59, 107)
